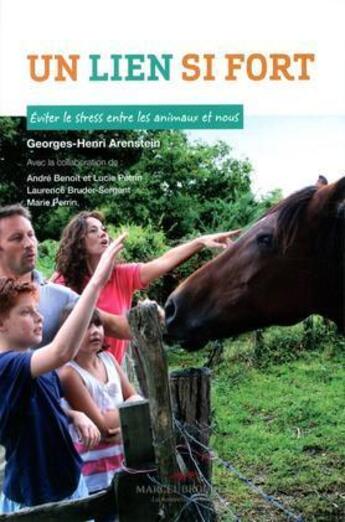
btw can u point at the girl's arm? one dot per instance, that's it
(87, 431)
(128, 392)
(67, 341)
(80, 399)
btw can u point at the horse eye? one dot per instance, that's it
(265, 240)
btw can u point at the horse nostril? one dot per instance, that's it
(170, 311)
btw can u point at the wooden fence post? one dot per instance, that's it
(145, 326)
(258, 343)
(135, 495)
(137, 434)
(190, 391)
(66, 510)
(139, 368)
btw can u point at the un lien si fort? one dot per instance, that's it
(140, 67)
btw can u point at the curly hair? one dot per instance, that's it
(11, 290)
(71, 255)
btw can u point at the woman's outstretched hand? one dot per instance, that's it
(220, 239)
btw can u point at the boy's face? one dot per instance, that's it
(22, 326)
(93, 339)
(18, 246)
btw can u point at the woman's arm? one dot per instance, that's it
(80, 399)
(54, 278)
(115, 325)
(176, 256)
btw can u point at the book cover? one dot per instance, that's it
(180, 120)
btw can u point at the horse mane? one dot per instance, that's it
(290, 213)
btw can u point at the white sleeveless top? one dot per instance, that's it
(107, 395)
(101, 462)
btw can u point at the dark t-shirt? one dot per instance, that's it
(42, 464)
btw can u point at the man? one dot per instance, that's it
(18, 254)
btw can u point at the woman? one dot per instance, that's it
(82, 243)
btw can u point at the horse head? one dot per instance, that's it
(288, 265)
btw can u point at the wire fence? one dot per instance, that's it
(270, 499)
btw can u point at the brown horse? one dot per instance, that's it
(288, 265)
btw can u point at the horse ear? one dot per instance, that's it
(338, 192)
(329, 197)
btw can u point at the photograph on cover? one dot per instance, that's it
(266, 315)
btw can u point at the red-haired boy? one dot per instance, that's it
(42, 464)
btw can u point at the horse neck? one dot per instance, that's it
(330, 260)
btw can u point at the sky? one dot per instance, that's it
(286, 152)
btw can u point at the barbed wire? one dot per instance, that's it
(213, 455)
(203, 478)
(194, 499)
(183, 428)
(189, 500)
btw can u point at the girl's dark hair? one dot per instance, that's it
(95, 319)
(71, 255)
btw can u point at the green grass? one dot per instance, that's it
(283, 427)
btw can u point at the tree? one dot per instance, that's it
(185, 187)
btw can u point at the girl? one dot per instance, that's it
(95, 384)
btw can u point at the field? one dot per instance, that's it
(280, 425)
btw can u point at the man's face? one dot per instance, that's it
(18, 246)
